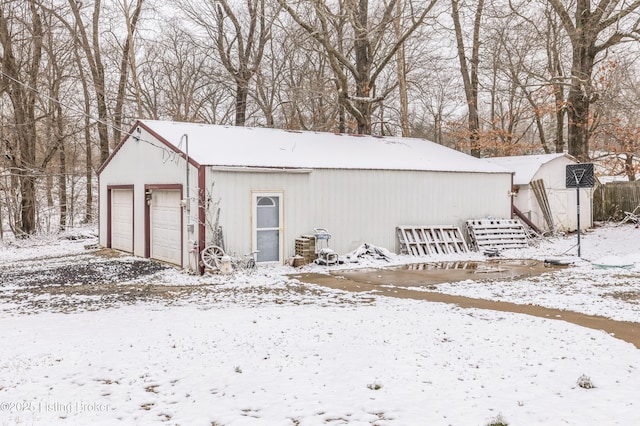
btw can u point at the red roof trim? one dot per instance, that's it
(131, 134)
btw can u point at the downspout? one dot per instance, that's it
(186, 204)
(512, 194)
(186, 138)
(202, 230)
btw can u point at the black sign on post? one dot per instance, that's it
(579, 176)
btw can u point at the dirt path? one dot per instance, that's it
(627, 331)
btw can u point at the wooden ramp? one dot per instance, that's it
(430, 240)
(497, 233)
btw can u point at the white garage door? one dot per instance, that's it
(166, 235)
(122, 219)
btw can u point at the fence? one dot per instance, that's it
(611, 200)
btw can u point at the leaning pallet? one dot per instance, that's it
(497, 233)
(430, 240)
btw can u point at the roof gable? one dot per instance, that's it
(526, 166)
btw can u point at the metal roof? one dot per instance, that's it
(525, 166)
(231, 146)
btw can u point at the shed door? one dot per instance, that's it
(166, 226)
(122, 219)
(563, 208)
(267, 226)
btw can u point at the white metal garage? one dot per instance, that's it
(263, 188)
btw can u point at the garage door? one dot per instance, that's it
(122, 219)
(166, 226)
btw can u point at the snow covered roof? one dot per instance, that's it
(230, 146)
(525, 166)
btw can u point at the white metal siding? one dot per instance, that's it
(147, 162)
(122, 219)
(358, 206)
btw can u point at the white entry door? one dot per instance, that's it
(122, 219)
(267, 226)
(166, 226)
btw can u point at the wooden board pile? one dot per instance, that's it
(543, 201)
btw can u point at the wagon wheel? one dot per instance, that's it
(211, 256)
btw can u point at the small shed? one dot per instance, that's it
(168, 189)
(540, 180)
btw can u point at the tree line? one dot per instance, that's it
(488, 77)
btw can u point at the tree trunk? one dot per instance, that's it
(23, 101)
(470, 76)
(127, 55)
(560, 113)
(370, 52)
(88, 217)
(630, 167)
(579, 100)
(62, 187)
(363, 67)
(242, 91)
(92, 52)
(402, 76)
(28, 223)
(591, 32)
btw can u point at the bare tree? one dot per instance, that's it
(592, 29)
(438, 98)
(58, 61)
(519, 90)
(90, 44)
(556, 69)
(304, 95)
(127, 62)
(240, 37)
(617, 135)
(179, 79)
(469, 68)
(401, 65)
(372, 47)
(21, 38)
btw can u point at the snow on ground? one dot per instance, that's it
(264, 349)
(613, 292)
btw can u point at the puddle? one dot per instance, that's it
(425, 274)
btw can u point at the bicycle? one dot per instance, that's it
(246, 263)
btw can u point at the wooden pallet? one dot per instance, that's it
(497, 233)
(430, 240)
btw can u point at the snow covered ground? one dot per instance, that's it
(264, 349)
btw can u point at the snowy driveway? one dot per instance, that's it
(90, 346)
